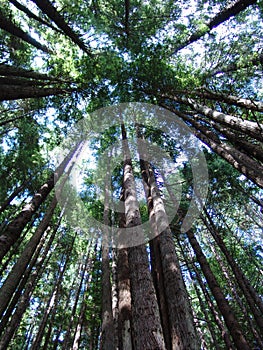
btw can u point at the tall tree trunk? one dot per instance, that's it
(250, 294)
(7, 70)
(47, 7)
(229, 11)
(82, 269)
(250, 149)
(229, 99)
(14, 92)
(115, 298)
(158, 280)
(14, 228)
(212, 309)
(79, 327)
(124, 293)
(107, 332)
(182, 331)
(19, 268)
(245, 165)
(25, 297)
(7, 25)
(252, 129)
(54, 297)
(223, 305)
(12, 196)
(146, 323)
(18, 81)
(234, 291)
(181, 215)
(32, 15)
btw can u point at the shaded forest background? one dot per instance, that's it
(201, 289)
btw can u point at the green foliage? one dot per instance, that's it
(130, 61)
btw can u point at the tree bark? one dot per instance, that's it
(247, 127)
(25, 297)
(250, 149)
(124, 292)
(212, 309)
(7, 70)
(234, 8)
(15, 92)
(107, 331)
(32, 15)
(54, 297)
(182, 332)
(223, 305)
(47, 7)
(146, 324)
(15, 228)
(244, 164)
(230, 99)
(11, 28)
(250, 294)
(228, 274)
(12, 281)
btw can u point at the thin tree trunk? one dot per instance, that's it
(33, 16)
(7, 70)
(25, 297)
(83, 268)
(53, 300)
(230, 281)
(47, 7)
(19, 268)
(12, 196)
(223, 305)
(202, 306)
(214, 312)
(81, 318)
(14, 229)
(7, 25)
(250, 294)
(107, 332)
(234, 8)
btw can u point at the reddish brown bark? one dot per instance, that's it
(146, 324)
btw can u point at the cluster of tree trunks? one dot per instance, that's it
(48, 9)
(152, 308)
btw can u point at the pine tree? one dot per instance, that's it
(69, 276)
